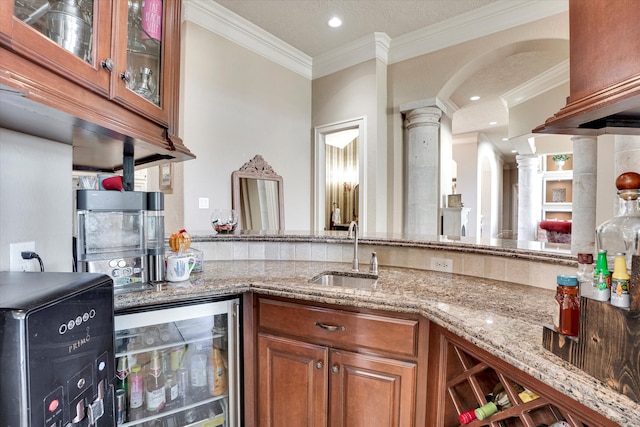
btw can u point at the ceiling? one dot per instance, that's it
(302, 24)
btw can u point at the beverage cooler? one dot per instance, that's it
(178, 365)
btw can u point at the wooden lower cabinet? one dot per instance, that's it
(318, 370)
(463, 376)
(319, 365)
(370, 391)
(292, 382)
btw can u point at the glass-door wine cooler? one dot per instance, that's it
(178, 365)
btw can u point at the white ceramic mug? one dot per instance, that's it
(179, 267)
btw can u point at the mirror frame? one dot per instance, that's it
(256, 168)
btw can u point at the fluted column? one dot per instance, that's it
(529, 196)
(585, 177)
(422, 207)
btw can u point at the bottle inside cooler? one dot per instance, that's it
(178, 372)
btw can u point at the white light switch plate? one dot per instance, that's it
(203, 203)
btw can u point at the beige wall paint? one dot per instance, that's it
(360, 91)
(236, 104)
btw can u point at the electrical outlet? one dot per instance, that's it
(203, 203)
(16, 263)
(442, 264)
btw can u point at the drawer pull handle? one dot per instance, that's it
(319, 364)
(330, 327)
(335, 369)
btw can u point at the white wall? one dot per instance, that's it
(236, 104)
(36, 201)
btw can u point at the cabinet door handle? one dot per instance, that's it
(319, 364)
(107, 64)
(335, 369)
(330, 327)
(126, 76)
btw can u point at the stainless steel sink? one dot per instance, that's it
(346, 280)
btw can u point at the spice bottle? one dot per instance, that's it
(601, 278)
(568, 305)
(585, 274)
(620, 283)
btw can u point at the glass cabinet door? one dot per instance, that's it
(69, 23)
(69, 37)
(144, 42)
(139, 57)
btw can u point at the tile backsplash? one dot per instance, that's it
(497, 267)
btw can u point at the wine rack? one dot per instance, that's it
(466, 377)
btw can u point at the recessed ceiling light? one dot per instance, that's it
(505, 139)
(514, 151)
(493, 123)
(334, 22)
(474, 98)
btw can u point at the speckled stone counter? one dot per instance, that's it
(503, 318)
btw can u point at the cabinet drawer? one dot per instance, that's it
(338, 328)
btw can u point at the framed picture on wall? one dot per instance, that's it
(166, 176)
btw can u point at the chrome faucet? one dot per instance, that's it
(354, 226)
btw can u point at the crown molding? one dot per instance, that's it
(375, 45)
(497, 16)
(219, 20)
(549, 79)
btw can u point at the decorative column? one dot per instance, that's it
(585, 176)
(422, 209)
(627, 154)
(529, 196)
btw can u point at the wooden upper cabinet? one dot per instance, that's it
(604, 70)
(34, 29)
(103, 70)
(120, 49)
(142, 56)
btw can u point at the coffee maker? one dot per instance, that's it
(119, 236)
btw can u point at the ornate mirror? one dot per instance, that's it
(258, 196)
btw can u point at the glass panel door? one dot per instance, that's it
(69, 23)
(144, 47)
(177, 366)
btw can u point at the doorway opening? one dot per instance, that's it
(339, 176)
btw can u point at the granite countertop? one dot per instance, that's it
(503, 318)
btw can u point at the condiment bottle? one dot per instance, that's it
(568, 305)
(620, 283)
(601, 278)
(585, 274)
